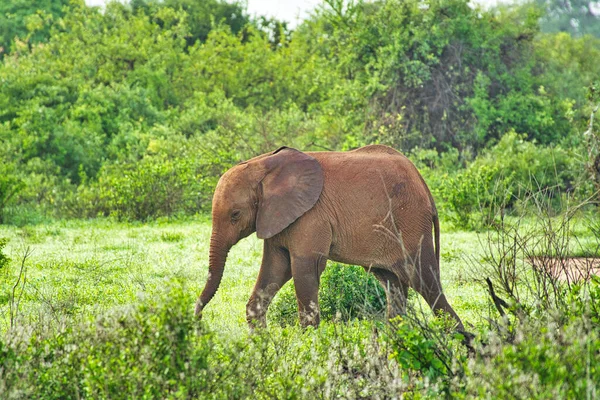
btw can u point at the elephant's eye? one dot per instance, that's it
(235, 215)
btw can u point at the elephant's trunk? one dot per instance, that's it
(217, 257)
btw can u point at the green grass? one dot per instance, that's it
(79, 269)
(107, 312)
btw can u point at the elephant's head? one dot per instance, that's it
(265, 194)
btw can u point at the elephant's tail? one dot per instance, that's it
(436, 232)
(436, 220)
(436, 227)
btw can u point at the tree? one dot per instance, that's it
(201, 15)
(19, 17)
(440, 73)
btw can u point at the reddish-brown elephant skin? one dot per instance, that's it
(367, 207)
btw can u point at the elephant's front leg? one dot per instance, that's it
(274, 272)
(306, 271)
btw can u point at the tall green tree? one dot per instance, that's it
(202, 15)
(440, 72)
(19, 17)
(102, 77)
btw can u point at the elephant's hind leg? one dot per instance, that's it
(428, 284)
(275, 271)
(395, 291)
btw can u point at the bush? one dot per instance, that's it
(540, 265)
(159, 350)
(174, 176)
(542, 336)
(548, 360)
(154, 187)
(532, 167)
(155, 350)
(10, 185)
(511, 170)
(4, 259)
(429, 354)
(345, 292)
(87, 102)
(474, 195)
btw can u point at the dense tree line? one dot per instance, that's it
(135, 110)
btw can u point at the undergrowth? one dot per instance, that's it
(539, 338)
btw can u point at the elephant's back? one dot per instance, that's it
(376, 149)
(373, 178)
(362, 165)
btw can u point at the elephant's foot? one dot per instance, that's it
(256, 314)
(310, 316)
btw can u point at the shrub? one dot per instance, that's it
(10, 185)
(153, 187)
(532, 167)
(345, 292)
(4, 260)
(542, 340)
(428, 353)
(156, 186)
(511, 170)
(473, 195)
(547, 360)
(154, 350)
(159, 350)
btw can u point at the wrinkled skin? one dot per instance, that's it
(367, 207)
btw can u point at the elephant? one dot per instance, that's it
(368, 207)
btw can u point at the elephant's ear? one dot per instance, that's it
(291, 186)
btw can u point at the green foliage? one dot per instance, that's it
(532, 167)
(28, 21)
(428, 349)
(570, 66)
(83, 107)
(4, 260)
(98, 89)
(158, 349)
(93, 99)
(201, 15)
(546, 361)
(498, 177)
(443, 73)
(171, 237)
(416, 353)
(345, 293)
(96, 321)
(154, 350)
(473, 196)
(10, 185)
(153, 187)
(584, 299)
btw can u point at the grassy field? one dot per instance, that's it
(105, 310)
(80, 269)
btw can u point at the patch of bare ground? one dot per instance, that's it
(567, 269)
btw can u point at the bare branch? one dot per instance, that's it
(14, 308)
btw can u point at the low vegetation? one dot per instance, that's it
(105, 309)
